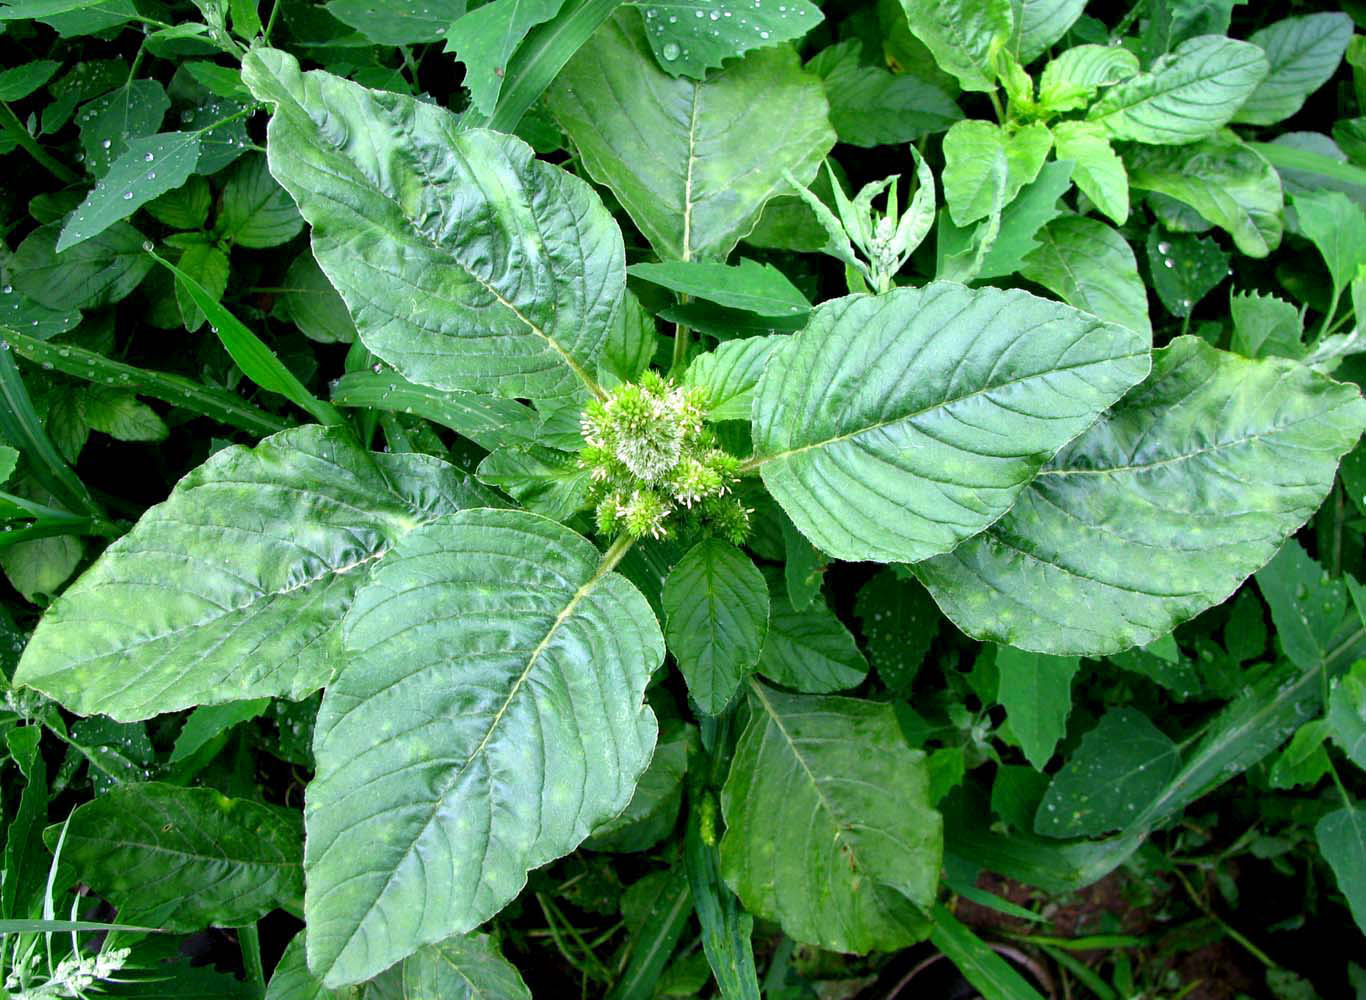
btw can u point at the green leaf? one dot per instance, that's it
(407, 22)
(505, 640)
(653, 812)
(430, 283)
(1342, 841)
(185, 858)
(291, 979)
(726, 927)
(1097, 168)
(485, 39)
(209, 266)
(880, 446)
(234, 586)
(970, 147)
(1226, 181)
(256, 212)
(808, 650)
(120, 415)
(1034, 207)
(728, 375)
(750, 286)
(870, 106)
(1121, 763)
(1303, 53)
(1159, 510)
(98, 272)
(147, 168)
(1184, 268)
(716, 603)
(964, 36)
(690, 37)
(488, 421)
(1186, 95)
(186, 207)
(666, 917)
(1070, 81)
(899, 621)
(313, 305)
(1336, 224)
(108, 122)
(1347, 713)
(1310, 609)
(468, 967)
(543, 480)
(1265, 326)
(1036, 692)
(979, 964)
(833, 781)
(207, 722)
(692, 163)
(24, 858)
(1039, 24)
(1090, 266)
(1304, 760)
(17, 82)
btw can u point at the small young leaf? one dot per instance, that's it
(207, 722)
(1347, 713)
(1342, 841)
(899, 621)
(1097, 169)
(1072, 79)
(870, 106)
(1036, 692)
(18, 82)
(1184, 268)
(728, 375)
(1265, 326)
(542, 480)
(748, 286)
(811, 650)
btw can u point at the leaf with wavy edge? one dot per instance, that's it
(466, 263)
(894, 427)
(491, 714)
(233, 587)
(1157, 512)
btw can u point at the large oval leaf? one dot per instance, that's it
(893, 427)
(829, 828)
(1160, 510)
(489, 715)
(692, 162)
(1090, 265)
(466, 262)
(234, 586)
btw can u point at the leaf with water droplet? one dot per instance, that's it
(1184, 268)
(128, 185)
(691, 36)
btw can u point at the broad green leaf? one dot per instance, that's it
(1174, 21)
(1226, 181)
(1097, 168)
(234, 586)
(1122, 763)
(1159, 510)
(1184, 268)
(257, 212)
(833, 781)
(407, 22)
(1186, 95)
(1336, 224)
(1091, 266)
(108, 122)
(978, 962)
(468, 967)
(870, 106)
(1347, 713)
(1070, 81)
(465, 262)
(808, 650)
(970, 147)
(187, 207)
(692, 163)
(1303, 53)
(185, 858)
(488, 421)
(716, 603)
(207, 722)
(120, 415)
(291, 979)
(1342, 841)
(17, 82)
(1311, 610)
(26, 862)
(899, 621)
(148, 167)
(210, 267)
(1265, 326)
(313, 305)
(1036, 691)
(542, 480)
(964, 36)
(1034, 207)
(728, 375)
(753, 287)
(1040, 23)
(690, 37)
(894, 427)
(631, 345)
(1304, 761)
(490, 714)
(653, 812)
(100, 271)
(485, 39)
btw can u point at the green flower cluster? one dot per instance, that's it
(651, 456)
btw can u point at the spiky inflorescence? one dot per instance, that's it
(649, 455)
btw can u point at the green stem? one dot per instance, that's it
(1342, 789)
(14, 128)
(1328, 316)
(54, 528)
(996, 106)
(249, 938)
(1128, 19)
(614, 554)
(270, 21)
(1227, 928)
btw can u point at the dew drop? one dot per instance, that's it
(1164, 247)
(128, 196)
(151, 175)
(148, 158)
(107, 143)
(1168, 263)
(8, 289)
(673, 19)
(147, 245)
(186, 115)
(698, 13)
(670, 50)
(715, 16)
(763, 34)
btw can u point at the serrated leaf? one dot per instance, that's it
(1223, 179)
(1159, 510)
(692, 163)
(870, 106)
(728, 375)
(504, 276)
(1184, 268)
(717, 609)
(485, 39)
(234, 586)
(256, 212)
(407, 22)
(1121, 763)
(1347, 713)
(503, 639)
(963, 35)
(893, 427)
(1310, 609)
(809, 650)
(690, 37)
(1036, 692)
(834, 782)
(1097, 168)
(1090, 266)
(147, 168)
(749, 286)
(1186, 95)
(542, 480)
(207, 722)
(1342, 841)
(187, 857)
(1303, 52)
(209, 266)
